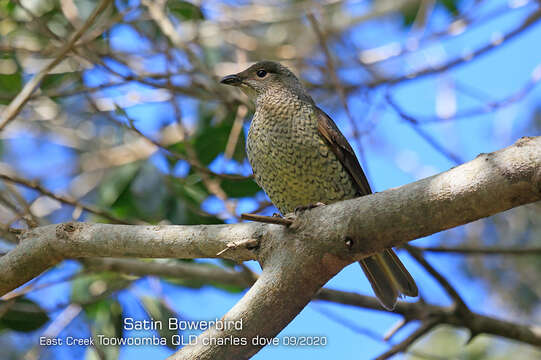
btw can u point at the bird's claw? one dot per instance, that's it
(290, 216)
(299, 209)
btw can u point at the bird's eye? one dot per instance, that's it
(261, 73)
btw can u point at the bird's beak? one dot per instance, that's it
(233, 80)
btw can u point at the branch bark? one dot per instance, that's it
(299, 259)
(420, 311)
(476, 323)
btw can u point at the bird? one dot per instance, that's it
(300, 158)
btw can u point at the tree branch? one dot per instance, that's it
(532, 19)
(459, 303)
(528, 251)
(43, 247)
(18, 102)
(61, 198)
(476, 323)
(420, 311)
(301, 258)
(205, 273)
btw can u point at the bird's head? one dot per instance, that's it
(263, 77)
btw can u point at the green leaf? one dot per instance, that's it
(87, 289)
(409, 13)
(196, 284)
(22, 314)
(212, 141)
(190, 189)
(115, 191)
(184, 10)
(240, 188)
(7, 7)
(106, 319)
(158, 310)
(230, 288)
(186, 196)
(10, 85)
(178, 148)
(54, 81)
(117, 183)
(451, 6)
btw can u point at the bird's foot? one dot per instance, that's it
(299, 209)
(290, 216)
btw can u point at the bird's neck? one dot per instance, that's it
(280, 101)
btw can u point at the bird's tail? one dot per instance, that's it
(388, 277)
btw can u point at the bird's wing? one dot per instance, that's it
(343, 151)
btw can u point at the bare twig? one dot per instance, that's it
(18, 102)
(484, 251)
(267, 219)
(476, 323)
(395, 328)
(198, 166)
(459, 302)
(407, 342)
(526, 24)
(489, 107)
(234, 135)
(248, 244)
(337, 84)
(206, 273)
(422, 133)
(64, 199)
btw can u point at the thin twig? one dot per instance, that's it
(337, 84)
(404, 344)
(422, 133)
(526, 24)
(461, 306)
(532, 251)
(164, 148)
(350, 323)
(395, 328)
(248, 244)
(267, 219)
(64, 199)
(18, 102)
(234, 134)
(490, 106)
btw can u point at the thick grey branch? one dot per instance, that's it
(460, 195)
(43, 247)
(299, 259)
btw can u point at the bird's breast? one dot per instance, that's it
(291, 161)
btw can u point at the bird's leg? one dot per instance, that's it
(292, 216)
(299, 209)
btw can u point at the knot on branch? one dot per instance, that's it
(65, 233)
(65, 230)
(348, 241)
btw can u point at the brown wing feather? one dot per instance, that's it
(385, 272)
(343, 151)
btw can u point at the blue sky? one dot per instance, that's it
(498, 74)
